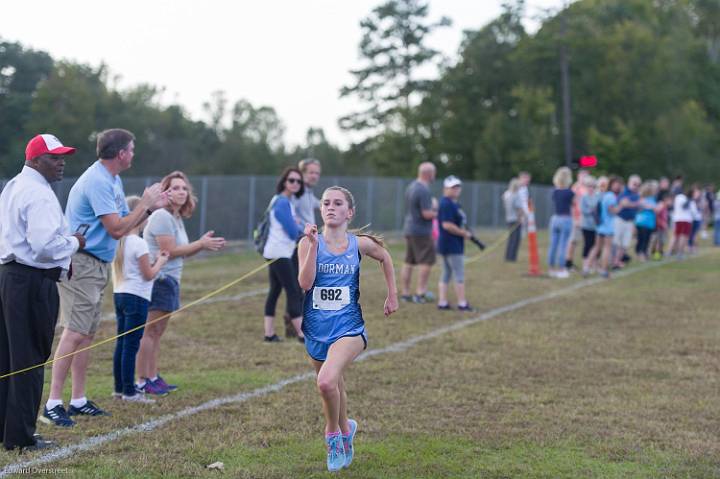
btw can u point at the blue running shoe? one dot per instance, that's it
(89, 409)
(57, 416)
(348, 442)
(335, 452)
(152, 387)
(161, 382)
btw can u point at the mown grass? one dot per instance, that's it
(619, 379)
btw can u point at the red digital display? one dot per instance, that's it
(588, 161)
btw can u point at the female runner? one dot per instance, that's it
(332, 323)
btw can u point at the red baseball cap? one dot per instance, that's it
(44, 144)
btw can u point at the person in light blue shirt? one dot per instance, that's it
(96, 193)
(645, 220)
(609, 208)
(97, 204)
(333, 323)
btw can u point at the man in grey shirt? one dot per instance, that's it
(306, 205)
(421, 209)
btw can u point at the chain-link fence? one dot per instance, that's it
(233, 205)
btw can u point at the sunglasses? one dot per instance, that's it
(294, 180)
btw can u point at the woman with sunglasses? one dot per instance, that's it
(282, 238)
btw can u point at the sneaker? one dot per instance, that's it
(348, 442)
(563, 274)
(419, 299)
(39, 445)
(152, 387)
(139, 398)
(466, 309)
(273, 339)
(552, 274)
(335, 452)
(161, 382)
(429, 297)
(406, 298)
(444, 307)
(57, 416)
(88, 409)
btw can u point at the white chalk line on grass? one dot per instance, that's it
(95, 441)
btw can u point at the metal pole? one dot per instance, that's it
(203, 204)
(565, 82)
(474, 207)
(496, 204)
(398, 204)
(251, 208)
(369, 200)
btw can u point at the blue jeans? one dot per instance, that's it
(560, 230)
(131, 312)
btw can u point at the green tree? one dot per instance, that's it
(393, 47)
(21, 70)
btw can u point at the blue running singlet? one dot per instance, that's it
(331, 309)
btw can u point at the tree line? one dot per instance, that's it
(644, 83)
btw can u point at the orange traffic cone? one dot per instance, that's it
(532, 242)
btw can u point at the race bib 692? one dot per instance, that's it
(331, 298)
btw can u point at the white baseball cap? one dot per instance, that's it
(452, 181)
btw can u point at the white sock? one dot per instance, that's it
(153, 379)
(463, 304)
(53, 403)
(141, 383)
(79, 402)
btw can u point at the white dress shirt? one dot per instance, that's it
(33, 228)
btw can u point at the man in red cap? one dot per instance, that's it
(35, 250)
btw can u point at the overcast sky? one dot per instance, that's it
(291, 55)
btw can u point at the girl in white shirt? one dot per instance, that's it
(697, 217)
(682, 217)
(133, 277)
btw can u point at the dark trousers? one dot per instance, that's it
(29, 305)
(131, 311)
(513, 242)
(284, 275)
(643, 240)
(589, 237)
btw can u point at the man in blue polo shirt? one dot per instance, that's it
(97, 204)
(629, 201)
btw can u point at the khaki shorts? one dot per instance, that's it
(420, 250)
(81, 297)
(623, 232)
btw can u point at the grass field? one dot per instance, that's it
(617, 379)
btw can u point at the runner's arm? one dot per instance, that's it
(372, 249)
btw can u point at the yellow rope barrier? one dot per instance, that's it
(473, 259)
(493, 246)
(113, 338)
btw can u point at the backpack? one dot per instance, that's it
(262, 231)
(598, 212)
